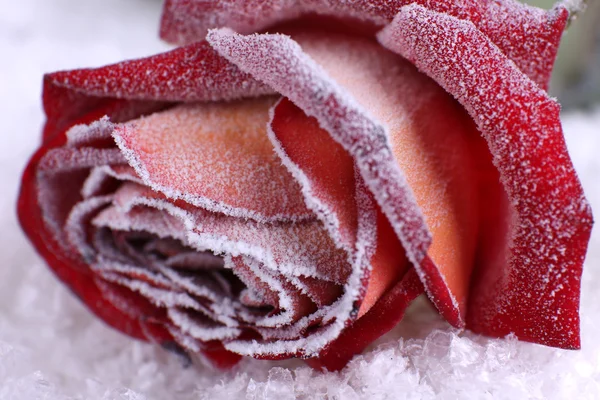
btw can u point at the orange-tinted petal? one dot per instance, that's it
(215, 156)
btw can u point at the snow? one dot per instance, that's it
(52, 348)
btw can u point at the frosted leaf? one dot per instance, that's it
(216, 157)
(531, 288)
(527, 35)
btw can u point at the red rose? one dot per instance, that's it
(159, 195)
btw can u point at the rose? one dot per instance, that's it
(193, 233)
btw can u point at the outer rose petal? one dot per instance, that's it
(527, 35)
(191, 73)
(533, 288)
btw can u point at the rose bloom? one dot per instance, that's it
(288, 194)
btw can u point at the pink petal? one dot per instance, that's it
(532, 289)
(214, 156)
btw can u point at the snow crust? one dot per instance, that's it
(52, 348)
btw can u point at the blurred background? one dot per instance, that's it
(576, 78)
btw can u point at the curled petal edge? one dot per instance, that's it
(533, 289)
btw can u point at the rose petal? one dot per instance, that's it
(327, 174)
(333, 190)
(527, 35)
(381, 318)
(70, 268)
(288, 302)
(275, 59)
(302, 248)
(323, 168)
(386, 86)
(221, 358)
(130, 88)
(214, 156)
(191, 73)
(213, 351)
(532, 289)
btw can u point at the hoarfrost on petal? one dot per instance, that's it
(216, 157)
(532, 287)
